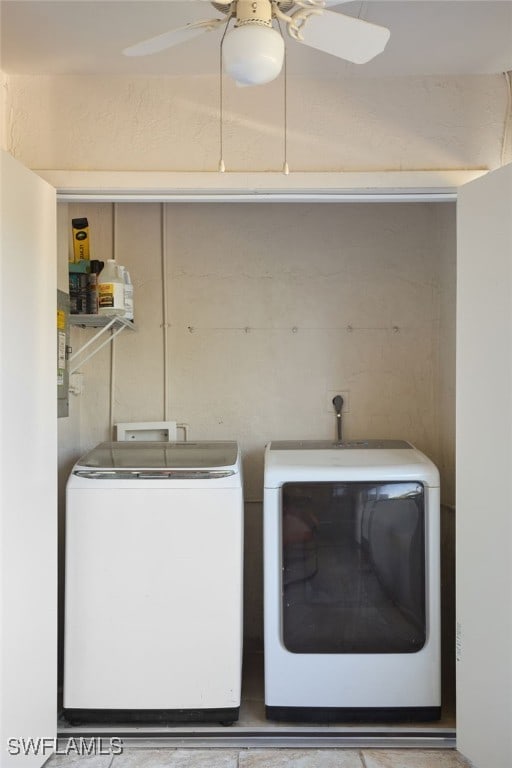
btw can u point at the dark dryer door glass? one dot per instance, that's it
(353, 567)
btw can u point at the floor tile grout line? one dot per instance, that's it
(363, 758)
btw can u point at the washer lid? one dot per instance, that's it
(141, 455)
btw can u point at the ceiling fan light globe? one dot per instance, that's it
(253, 54)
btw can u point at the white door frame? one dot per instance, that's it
(163, 186)
(126, 186)
(484, 459)
(28, 471)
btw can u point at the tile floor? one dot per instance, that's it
(266, 758)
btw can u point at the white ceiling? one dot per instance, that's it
(87, 37)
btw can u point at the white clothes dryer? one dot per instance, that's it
(351, 582)
(154, 556)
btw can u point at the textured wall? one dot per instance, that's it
(261, 300)
(163, 123)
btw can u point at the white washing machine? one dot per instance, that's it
(352, 582)
(154, 555)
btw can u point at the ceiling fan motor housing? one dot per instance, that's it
(254, 12)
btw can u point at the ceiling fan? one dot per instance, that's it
(253, 51)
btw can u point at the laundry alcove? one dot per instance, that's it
(265, 312)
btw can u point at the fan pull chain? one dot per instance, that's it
(286, 168)
(222, 166)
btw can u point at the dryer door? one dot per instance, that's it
(354, 563)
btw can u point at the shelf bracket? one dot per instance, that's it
(113, 324)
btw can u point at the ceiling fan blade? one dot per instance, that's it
(172, 37)
(332, 3)
(343, 36)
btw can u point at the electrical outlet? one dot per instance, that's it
(330, 394)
